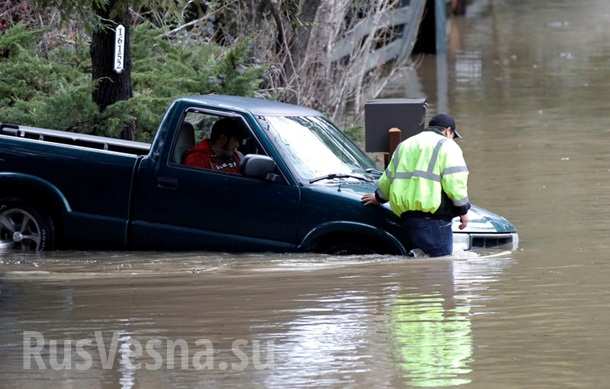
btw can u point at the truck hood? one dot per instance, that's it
(481, 220)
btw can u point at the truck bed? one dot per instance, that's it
(75, 139)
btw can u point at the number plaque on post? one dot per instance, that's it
(119, 48)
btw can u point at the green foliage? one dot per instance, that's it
(18, 38)
(356, 134)
(53, 89)
(87, 11)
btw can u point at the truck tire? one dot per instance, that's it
(345, 245)
(24, 227)
(354, 244)
(346, 248)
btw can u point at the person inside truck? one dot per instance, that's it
(219, 152)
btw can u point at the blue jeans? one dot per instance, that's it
(433, 236)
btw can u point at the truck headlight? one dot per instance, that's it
(461, 241)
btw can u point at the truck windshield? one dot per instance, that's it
(316, 148)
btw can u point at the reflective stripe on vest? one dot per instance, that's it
(455, 169)
(462, 202)
(429, 174)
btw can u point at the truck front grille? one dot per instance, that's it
(494, 241)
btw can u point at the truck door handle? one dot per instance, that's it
(169, 183)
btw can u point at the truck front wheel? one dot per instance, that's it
(352, 244)
(24, 228)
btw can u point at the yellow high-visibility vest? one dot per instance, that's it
(421, 168)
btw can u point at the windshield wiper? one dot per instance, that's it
(374, 171)
(333, 176)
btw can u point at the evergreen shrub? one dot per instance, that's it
(51, 88)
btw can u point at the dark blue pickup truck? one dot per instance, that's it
(299, 189)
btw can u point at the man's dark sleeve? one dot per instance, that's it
(461, 210)
(449, 210)
(380, 199)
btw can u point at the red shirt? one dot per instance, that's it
(203, 156)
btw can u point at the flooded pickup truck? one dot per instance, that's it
(299, 189)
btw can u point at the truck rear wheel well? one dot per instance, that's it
(345, 243)
(37, 198)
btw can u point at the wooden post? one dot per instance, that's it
(394, 135)
(458, 7)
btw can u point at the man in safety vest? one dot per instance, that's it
(426, 184)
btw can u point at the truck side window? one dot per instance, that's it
(213, 142)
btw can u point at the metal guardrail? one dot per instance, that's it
(409, 16)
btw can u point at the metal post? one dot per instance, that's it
(441, 56)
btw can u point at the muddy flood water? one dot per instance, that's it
(529, 84)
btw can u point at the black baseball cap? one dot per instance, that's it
(444, 120)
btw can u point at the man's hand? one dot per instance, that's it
(369, 199)
(464, 221)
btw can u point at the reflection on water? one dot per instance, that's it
(529, 86)
(468, 67)
(433, 341)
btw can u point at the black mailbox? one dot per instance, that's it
(382, 114)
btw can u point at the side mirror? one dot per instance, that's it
(259, 166)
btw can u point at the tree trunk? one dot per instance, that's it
(426, 37)
(109, 86)
(300, 40)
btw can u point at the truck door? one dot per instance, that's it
(179, 206)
